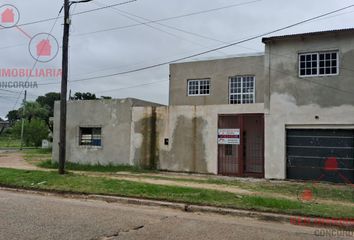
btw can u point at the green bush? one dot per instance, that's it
(34, 132)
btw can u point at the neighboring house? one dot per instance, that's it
(98, 131)
(287, 114)
(3, 125)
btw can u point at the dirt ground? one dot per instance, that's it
(14, 159)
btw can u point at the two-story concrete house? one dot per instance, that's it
(309, 105)
(285, 114)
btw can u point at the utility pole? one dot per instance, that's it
(23, 119)
(64, 84)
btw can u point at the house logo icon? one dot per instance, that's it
(44, 48)
(8, 16)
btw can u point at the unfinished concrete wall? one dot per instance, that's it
(191, 132)
(311, 102)
(113, 116)
(218, 71)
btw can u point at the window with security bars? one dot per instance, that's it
(242, 90)
(199, 87)
(318, 64)
(90, 136)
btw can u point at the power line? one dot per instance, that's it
(155, 28)
(133, 86)
(133, 25)
(132, 17)
(152, 21)
(16, 92)
(104, 7)
(5, 90)
(169, 18)
(78, 13)
(309, 80)
(208, 51)
(35, 63)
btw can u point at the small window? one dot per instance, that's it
(90, 136)
(199, 87)
(318, 64)
(242, 90)
(229, 150)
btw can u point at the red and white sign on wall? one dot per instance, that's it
(229, 136)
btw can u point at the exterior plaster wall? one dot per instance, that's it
(113, 116)
(218, 71)
(312, 102)
(191, 132)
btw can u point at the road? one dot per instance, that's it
(26, 216)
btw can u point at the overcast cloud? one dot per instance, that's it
(94, 54)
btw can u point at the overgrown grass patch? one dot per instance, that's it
(9, 142)
(37, 156)
(324, 191)
(96, 168)
(100, 185)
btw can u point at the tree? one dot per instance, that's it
(47, 102)
(106, 97)
(34, 132)
(13, 116)
(33, 110)
(84, 96)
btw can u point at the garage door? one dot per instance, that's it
(320, 154)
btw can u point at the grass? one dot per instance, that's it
(100, 185)
(290, 189)
(9, 142)
(324, 191)
(37, 156)
(41, 158)
(320, 190)
(95, 168)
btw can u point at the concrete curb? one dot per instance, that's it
(347, 224)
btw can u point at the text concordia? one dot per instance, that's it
(18, 84)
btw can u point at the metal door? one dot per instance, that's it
(246, 158)
(253, 138)
(320, 155)
(229, 156)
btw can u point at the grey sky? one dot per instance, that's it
(94, 54)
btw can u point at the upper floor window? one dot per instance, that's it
(318, 64)
(242, 90)
(198, 87)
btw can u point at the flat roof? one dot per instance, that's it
(299, 35)
(242, 55)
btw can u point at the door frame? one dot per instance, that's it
(241, 164)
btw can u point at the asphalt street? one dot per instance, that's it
(26, 216)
